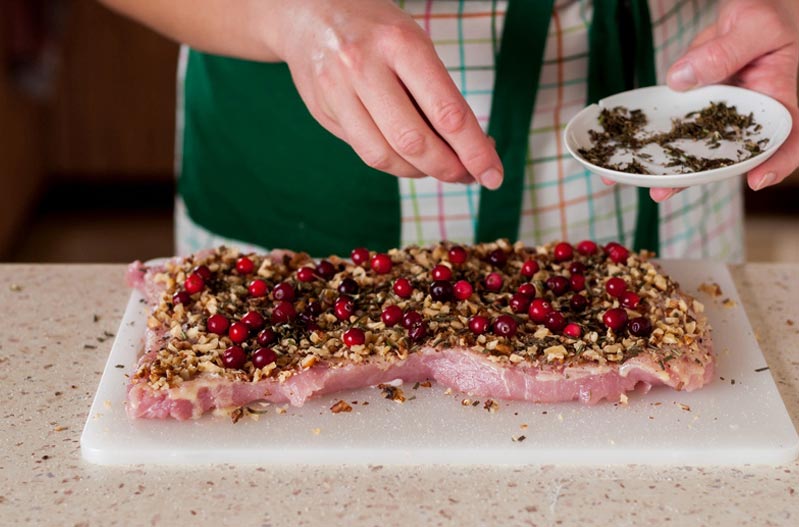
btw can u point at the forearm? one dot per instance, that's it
(242, 28)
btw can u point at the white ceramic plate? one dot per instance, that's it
(661, 105)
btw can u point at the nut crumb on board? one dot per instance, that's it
(711, 289)
(518, 439)
(728, 303)
(392, 393)
(491, 406)
(341, 406)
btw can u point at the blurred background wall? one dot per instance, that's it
(87, 103)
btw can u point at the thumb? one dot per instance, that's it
(719, 58)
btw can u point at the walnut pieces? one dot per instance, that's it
(516, 311)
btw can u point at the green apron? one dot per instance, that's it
(257, 167)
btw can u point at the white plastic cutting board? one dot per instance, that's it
(740, 419)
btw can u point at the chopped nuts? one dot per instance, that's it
(180, 346)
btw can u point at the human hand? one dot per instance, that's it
(753, 44)
(370, 75)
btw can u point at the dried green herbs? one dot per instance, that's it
(623, 130)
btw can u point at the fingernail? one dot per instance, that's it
(683, 77)
(767, 180)
(658, 196)
(491, 178)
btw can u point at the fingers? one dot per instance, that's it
(753, 33)
(350, 122)
(780, 165)
(424, 75)
(662, 194)
(703, 36)
(404, 129)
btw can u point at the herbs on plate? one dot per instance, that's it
(623, 130)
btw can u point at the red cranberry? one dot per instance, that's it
(519, 303)
(463, 290)
(217, 324)
(441, 290)
(194, 283)
(381, 263)
(360, 256)
(529, 268)
(615, 318)
(493, 282)
(457, 255)
(577, 282)
(478, 324)
(555, 322)
(563, 252)
(263, 357)
(203, 271)
(343, 308)
(527, 290)
(266, 337)
(577, 268)
(348, 286)
(587, 248)
(238, 332)
(283, 312)
(254, 320)
(441, 272)
(418, 332)
(391, 315)
(498, 258)
(234, 358)
(616, 287)
(257, 288)
(403, 288)
(314, 308)
(181, 297)
(306, 274)
(244, 265)
(539, 309)
(618, 254)
(640, 327)
(611, 245)
(505, 326)
(353, 337)
(283, 291)
(630, 300)
(411, 318)
(558, 284)
(306, 317)
(573, 330)
(578, 303)
(325, 269)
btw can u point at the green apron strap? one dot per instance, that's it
(623, 29)
(518, 68)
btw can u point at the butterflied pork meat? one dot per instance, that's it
(542, 324)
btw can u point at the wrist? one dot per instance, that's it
(266, 25)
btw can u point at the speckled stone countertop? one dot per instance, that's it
(53, 351)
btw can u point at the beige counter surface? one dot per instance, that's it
(57, 327)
